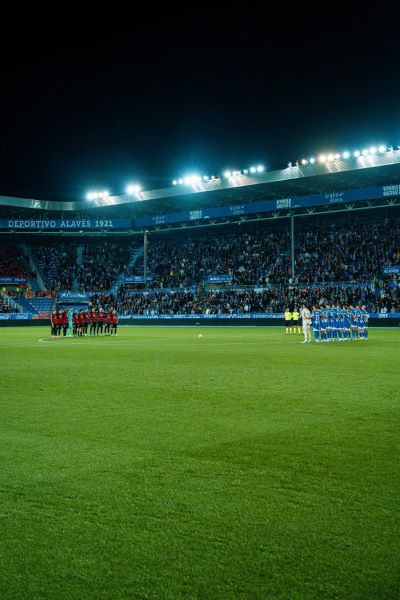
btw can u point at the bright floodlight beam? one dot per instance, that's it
(382, 148)
(95, 195)
(133, 189)
(260, 168)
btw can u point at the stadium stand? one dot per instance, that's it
(56, 263)
(336, 262)
(102, 264)
(12, 262)
(319, 237)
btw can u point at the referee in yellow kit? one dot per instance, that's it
(288, 320)
(295, 321)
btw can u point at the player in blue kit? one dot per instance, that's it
(327, 326)
(338, 323)
(322, 318)
(316, 323)
(346, 322)
(358, 322)
(365, 317)
(331, 322)
(353, 322)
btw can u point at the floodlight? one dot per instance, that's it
(133, 189)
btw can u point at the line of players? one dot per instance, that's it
(337, 324)
(80, 322)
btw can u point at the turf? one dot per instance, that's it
(160, 465)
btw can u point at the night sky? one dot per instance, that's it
(150, 107)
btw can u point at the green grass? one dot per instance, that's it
(159, 465)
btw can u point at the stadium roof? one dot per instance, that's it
(363, 171)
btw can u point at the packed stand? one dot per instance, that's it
(249, 258)
(12, 262)
(352, 252)
(274, 299)
(102, 264)
(57, 264)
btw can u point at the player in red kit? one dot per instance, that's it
(80, 321)
(114, 322)
(108, 323)
(64, 318)
(93, 320)
(75, 323)
(100, 321)
(85, 321)
(58, 319)
(53, 320)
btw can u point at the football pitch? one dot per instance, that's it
(157, 464)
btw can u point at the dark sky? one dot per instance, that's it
(110, 109)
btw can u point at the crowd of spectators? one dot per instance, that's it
(325, 254)
(351, 252)
(249, 258)
(354, 252)
(273, 299)
(4, 308)
(12, 262)
(57, 264)
(102, 264)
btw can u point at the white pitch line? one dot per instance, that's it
(209, 342)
